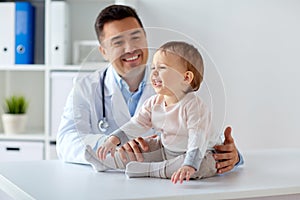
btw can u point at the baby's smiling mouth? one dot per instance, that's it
(156, 82)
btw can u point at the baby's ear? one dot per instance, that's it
(103, 52)
(188, 77)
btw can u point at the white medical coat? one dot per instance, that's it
(83, 110)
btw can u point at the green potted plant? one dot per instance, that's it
(14, 117)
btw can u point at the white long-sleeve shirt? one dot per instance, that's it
(185, 127)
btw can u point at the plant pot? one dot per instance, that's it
(14, 123)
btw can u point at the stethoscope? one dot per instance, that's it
(103, 124)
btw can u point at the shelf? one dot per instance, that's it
(52, 139)
(36, 82)
(22, 68)
(85, 67)
(90, 1)
(24, 137)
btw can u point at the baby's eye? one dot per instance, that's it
(158, 67)
(161, 67)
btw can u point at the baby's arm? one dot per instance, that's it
(108, 146)
(131, 129)
(137, 125)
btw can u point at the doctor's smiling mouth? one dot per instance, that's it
(133, 59)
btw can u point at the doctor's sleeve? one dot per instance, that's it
(73, 134)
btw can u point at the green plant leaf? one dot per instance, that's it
(15, 105)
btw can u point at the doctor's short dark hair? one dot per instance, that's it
(112, 13)
(191, 58)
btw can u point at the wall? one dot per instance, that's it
(255, 45)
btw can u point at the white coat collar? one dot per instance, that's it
(118, 105)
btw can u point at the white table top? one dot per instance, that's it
(265, 173)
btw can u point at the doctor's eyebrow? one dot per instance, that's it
(116, 38)
(119, 37)
(136, 32)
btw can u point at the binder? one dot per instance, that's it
(24, 30)
(59, 33)
(7, 33)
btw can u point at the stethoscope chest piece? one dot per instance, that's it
(103, 125)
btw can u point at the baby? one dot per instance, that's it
(176, 113)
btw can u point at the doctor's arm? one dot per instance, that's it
(75, 130)
(227, 155)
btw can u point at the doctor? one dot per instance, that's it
(106, 99)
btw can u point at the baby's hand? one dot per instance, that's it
(182, 173)
(109, 146)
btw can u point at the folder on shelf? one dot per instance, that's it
(24, 30)
(59, 33)
(7, 33)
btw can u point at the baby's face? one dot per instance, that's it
(167, 74)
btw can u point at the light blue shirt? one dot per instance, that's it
(131, 98)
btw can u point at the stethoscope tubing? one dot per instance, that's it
(102, 93)
(103, 125)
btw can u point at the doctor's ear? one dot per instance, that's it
(188, 77)
(103, 52)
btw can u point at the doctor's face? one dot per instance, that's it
(124, 45)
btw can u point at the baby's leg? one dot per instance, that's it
(163, 169)
(166, 168)
(154, 154)
(207, 166)
(102, 165)
(172, 161)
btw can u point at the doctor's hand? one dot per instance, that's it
(227, 155)
(109, 145)
(134, 149)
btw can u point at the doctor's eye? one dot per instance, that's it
(118, 43)
(136, 38)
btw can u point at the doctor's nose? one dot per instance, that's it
(129, 47)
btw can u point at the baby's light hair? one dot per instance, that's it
(190, 57)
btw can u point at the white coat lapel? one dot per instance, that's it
(119, 108)
(148, 90)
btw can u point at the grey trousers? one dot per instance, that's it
(172, 160)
